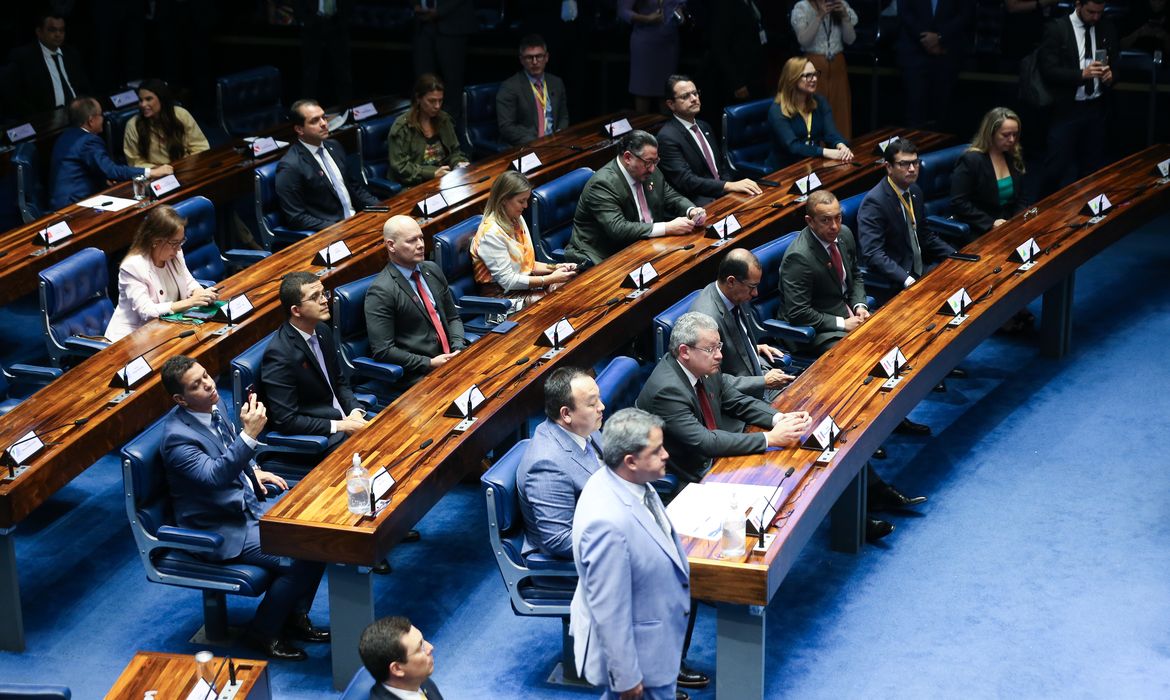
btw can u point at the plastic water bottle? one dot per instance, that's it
(734, 532)
(357, 484)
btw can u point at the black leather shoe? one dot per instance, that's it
(886, 497)
(877, 529)
(301, 627)
(957, 373)
(412, 536)
(680, 695)
(382, 568)
(276, 649)
(880, 453)
(690, 678)
(909, 427)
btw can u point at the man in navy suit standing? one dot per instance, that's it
(314, 186)
(400, 659)
(46, 74)
(932, 36)
(216, 487)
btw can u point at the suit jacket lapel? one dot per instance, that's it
(436, 292)
(212, 439)
(646, 519)
(307, 352)
(407, 288)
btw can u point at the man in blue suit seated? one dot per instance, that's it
(81, 165)
(629, 613)
(400, 660)
(215, 486)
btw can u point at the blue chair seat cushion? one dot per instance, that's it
(251, 580)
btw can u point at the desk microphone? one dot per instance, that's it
(608, 302)
(515, 379)
(423, 204)
(402, 458)
(55, 428)
(125, 376)
(517, 363)
(185, 334)
(928, 342)
(929, 327)
(772, 522)
(663, 254)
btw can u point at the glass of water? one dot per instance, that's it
(139, 183)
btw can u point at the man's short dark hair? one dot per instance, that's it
(82, 109)
(290, 289)
(531, 41)
(294, 112)
(381, 645)
(636, 140)
(736, 264)
(899, 146)
(558, 390)
(47, 15)
(172, 373)
(671, 81)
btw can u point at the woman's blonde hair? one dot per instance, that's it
(506, 186)
(984, 138)
(787, 96)
(161, 222)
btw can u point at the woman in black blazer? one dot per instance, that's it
(985, 186)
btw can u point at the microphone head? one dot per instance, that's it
(187, 333)
(81, 421)
(426, 443)
(687, 246)
(930, 326)
(482, 179)
(998, 269)
(614, 300)
(790, 471)
(522, 360)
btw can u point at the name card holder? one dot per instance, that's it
(52, 235)
(131, 374)
(124, 98)
(263, 145)
(18, 453)
(331, 255)
(464, 407)
(1096, 208)
(890, 367)
(237, 308)
(431, 205)
(804, 185)
(526, 163)
(638, 278)
(880, 149)
(617, 128)
(956, 306)
(1025, 253)
(364, 111)
(1163, 171)
(20, 133)
(164, 185)
(724, 229)
(823, 439)
(380, 484)
(554, 337)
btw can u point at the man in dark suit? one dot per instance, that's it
(1081, 85)
(932, 36)
(325, 35)
(216, 487)
(400, 659)
(418, 333)
(305, 390)
(441, 28)
(314, 186)
(81, 165)
(704, 414)
(45, 74)
(690, 157)
(529, 92)
(891, 222)
(737, 51)
(747, 363)
(628, 200)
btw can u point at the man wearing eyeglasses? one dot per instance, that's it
(628, 200)
(703, 413)
(532, 103)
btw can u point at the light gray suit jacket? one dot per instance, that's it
(552, 473)
(737, 363)
(629, 612)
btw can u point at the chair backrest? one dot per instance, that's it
(620, 382)
(267, 211)
(148, 505)
(935, 177)
(249, 101)
(482, 132)
(664, 322)
(73, 298)
(200, 250)
(453, 255)
(359, 686)
(114, 125)
(551, 213)
(770, 254)
(745, 136)
(349, 319)
(31, 691)
(373, 143)
(30, 189)
(246, 371)
(849, 209)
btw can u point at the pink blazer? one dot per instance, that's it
(140, 293)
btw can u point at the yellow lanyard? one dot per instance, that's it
(808, 126)
(541, 94)
(905, 203)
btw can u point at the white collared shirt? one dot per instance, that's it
(405, 694)
(579, 441)
(1079, 33)
(305, 336)
(659, 226)
(334, 174)
(58, 88)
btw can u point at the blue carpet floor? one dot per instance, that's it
(1037, 569)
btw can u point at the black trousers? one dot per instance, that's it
(1076, 143)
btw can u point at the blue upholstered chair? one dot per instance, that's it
(353, 343)
(664, 322)
(31, 691)
(768, 302)
(274, 235)
(745, 137)
(204, 258)
(374, 152)
(482, 131)
(550, 218)
(31, 197)
(359, 686)
(249, 101)
(935, 180)
(22, 375)
(114, 128)
(878, 288)
(74, 305)
(167, 551)
(619, 383)
(453, 255)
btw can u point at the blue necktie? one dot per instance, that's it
(253, 491)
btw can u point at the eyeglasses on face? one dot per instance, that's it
(810, 76)
(711, 350)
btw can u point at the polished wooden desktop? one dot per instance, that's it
(832, 386)
(173, 676)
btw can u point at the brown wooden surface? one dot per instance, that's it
(830, 381)
(84, 390)
(312, 521)
(173, 676)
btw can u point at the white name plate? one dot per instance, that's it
(163, 185)
(124, 98)
(1097, 205)
(332, 254)
(957, 303)
(724, 228)
(432, 205)
(55, 233)
(806, 184)
(526, 163)
(364, 111)
(134, 371)
(19, 133)
(264, 145)
(27, 446)
(465, 404)
(823, 435)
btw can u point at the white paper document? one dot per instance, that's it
(104, 202)
(698, 510)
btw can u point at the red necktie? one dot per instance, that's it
(838, 266)
(540, 108)
(435, 321)
(706, 151)
(643, 206)
(705, 406)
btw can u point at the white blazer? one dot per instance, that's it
(140, 293)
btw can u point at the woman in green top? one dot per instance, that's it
(985, 186)
(422, 141)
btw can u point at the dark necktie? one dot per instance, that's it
(748, 345)
(706, 151)
(434, 315)
(596, 450)
(838, 265)
(705, 406)
(1090, 84)
(226, 437)
(66, 88)
(651, 501)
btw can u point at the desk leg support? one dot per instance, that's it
(11, 618)
(351, 609)
(1056, 319)
(739, 651)
(847, 524)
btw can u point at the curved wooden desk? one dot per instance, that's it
(833, 386)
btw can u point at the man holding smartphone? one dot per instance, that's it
(1076, 58)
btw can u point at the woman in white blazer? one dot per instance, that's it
(153, 279)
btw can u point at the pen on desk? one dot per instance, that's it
(106, 204)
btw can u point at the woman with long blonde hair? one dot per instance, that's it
(985, 185)
(800, 121)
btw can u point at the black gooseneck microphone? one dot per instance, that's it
(423, 204)
(608, 302)
(401, 458)
(763, 527)
(664, 253)
(125, 376)
(517, 363)
(55, 428)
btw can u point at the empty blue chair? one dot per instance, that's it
(482, 131)
(249, 102)
(114, 125)
(274, 235)
(22, 374)
(167, 551)
(745, 137)
(74, 306)
(664, 322)
(374, 152)
(31, 197)
(34, 691)
(619, 383)
(353, 343)
(203, 257)
(935, 180)
(550, 218)
(453, 255)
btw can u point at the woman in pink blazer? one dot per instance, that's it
(153, 279)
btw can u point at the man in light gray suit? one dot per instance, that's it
(703, 412)
(410, 312)
(531, 103)
(747, 362)
(633, 572)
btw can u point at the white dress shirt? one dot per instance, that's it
(58, 88)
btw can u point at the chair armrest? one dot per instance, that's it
(383, 371)
(483, 305)
(550, 566)
(949, 228)
(33, 373)
(385, 185)
(308, 443)
(244, 257)
(34, 691)
(85, 346)
(368, 401)
(197, 540)
(290, 234)
(787, 331)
